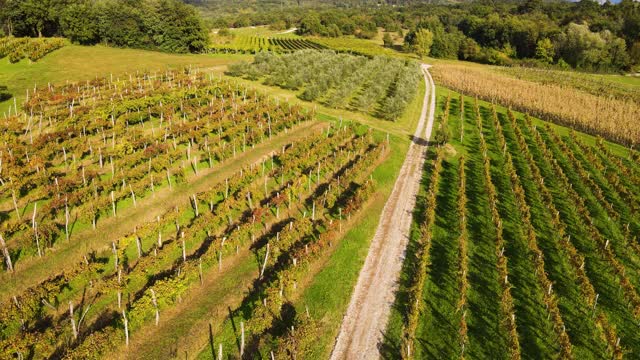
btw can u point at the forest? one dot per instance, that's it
(165, 25)
(583, 35)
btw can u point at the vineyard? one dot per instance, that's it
(353, 45)
(255, 44)
(110, 154)
(380, 86)
(16, 49)
(526, 242)
(282, 44)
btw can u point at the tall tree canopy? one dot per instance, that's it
(167, 25)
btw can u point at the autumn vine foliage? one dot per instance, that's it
(165, 129)
(292, 202)
(463, 271)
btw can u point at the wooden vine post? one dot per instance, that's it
(113, 203)
(73, 321)
(242, 339)
(34, 225)
(66, 219)
(5, 252)
(126, 328)
(264, 264)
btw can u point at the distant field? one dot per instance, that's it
(250, 39)
(596, 104)
(84, 62)
(619, 86)
(255, 44)
(263, 31)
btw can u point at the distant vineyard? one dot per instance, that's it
(256, 44)
(528, 234)
(357, 46)
(380, 86)
(34, 49)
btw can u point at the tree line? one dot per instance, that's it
(165, 25)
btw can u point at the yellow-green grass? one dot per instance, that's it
(77, 63)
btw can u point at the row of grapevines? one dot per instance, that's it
(463, 266)
(419, 277)
(506, 299)
(33, 48)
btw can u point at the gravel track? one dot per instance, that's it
(365, 321)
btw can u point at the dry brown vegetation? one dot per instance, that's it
(614, 119)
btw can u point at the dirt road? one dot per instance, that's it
(366, 319)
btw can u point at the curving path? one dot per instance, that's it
(366, 318)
